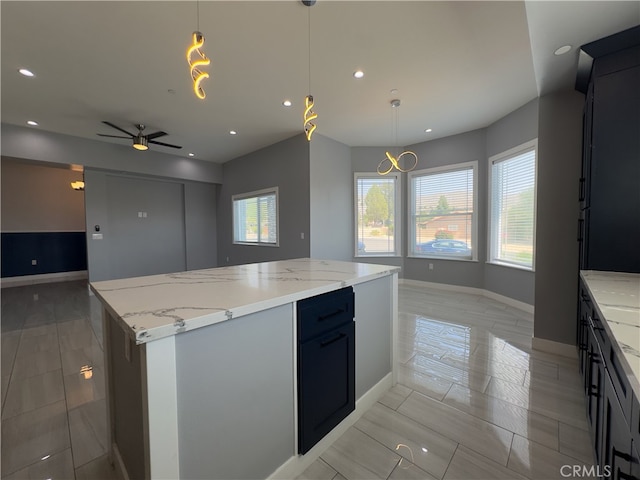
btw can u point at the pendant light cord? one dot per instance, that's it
(309, 44)
(197, 15)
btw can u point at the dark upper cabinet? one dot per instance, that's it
(609, 225)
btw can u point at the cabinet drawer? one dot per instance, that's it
(324, 312)
(620, 383)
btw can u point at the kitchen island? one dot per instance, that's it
(202, 366)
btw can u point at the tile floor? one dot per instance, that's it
(473, 401)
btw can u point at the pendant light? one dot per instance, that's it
(201, 60)
(390, 162)
(309, 115)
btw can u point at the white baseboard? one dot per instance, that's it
(299, 463)
(525, 307)
(43, 278)
(118, 463)
(557, 348)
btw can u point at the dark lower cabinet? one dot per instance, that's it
(635, 462)
(617, 450)
(326, 364)
(613, 411)
(595, 393)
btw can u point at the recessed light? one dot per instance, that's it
(393, 91)
(562, 50)
(232, 132)
(32, 123)
(428, 130)
(192, 154)
(26, 73)
(358, 74)
(287, 103)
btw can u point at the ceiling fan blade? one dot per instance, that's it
(165, 144)
(153, 135)
(112, 136)
(118, 128)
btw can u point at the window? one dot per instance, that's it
(377, 202)
(442, 203)
(255, 217)
(512, 200)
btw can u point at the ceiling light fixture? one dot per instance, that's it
(562, 50)
(140, 142)
(358, 74)
(232, 132)
(79, 185)
(396, 162)
(428, 130)
(26, 73)
(309, 115)
(32, 123)
(192, 154)
(287, 103)
(197, 75)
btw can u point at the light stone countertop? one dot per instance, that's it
(617, 298)
(158, 306)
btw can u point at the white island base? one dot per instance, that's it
(211, 392)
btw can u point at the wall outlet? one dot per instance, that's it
(301, 235)
(431, 266)
(34, 262)
(35, 297)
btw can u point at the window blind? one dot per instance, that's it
(513, 209)
(255, 219)
(442, 213)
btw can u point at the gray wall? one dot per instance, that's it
(559, 151)
(160, 243)
(284, 165)
(518, 127)
(466, 147)
(200, 222)
(331, 200)
(39, 198)
(33, 144)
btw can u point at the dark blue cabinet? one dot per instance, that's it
(609, 223)
(326, 364)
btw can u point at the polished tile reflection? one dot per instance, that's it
(53, 397)
(473, 401)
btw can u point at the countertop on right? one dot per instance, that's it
(617, 298)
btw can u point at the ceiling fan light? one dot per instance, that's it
(140, 142)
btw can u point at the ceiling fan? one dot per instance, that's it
(140, 141)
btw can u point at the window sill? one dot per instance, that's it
(257, 244)
(421, 257)
(373, 255)
(511, 265)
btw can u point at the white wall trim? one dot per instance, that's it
(557, 348)
(299, 463)
(118, 463)
(473, 290)
(44, 278)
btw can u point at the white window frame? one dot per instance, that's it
(397, 214)
(491, 226)
(411, 210)
(256, 194)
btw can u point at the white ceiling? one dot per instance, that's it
(457, 66)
